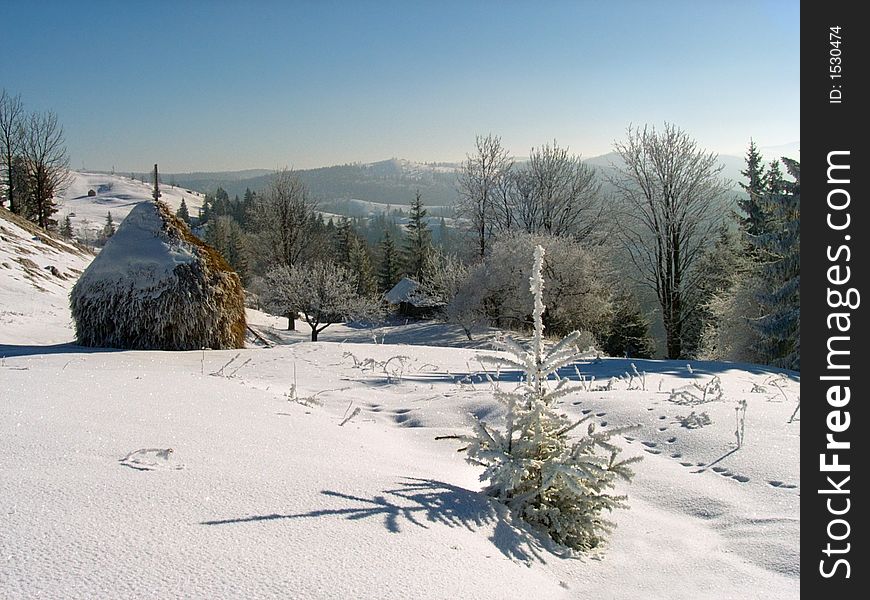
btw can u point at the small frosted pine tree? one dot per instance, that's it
(533, 466)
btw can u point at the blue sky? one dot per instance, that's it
(227, 85)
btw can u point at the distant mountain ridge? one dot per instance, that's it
(395, 181)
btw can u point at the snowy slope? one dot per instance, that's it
(37, 271)
(116, 194)
(268, 496)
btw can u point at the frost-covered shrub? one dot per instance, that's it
(577, 296)
(156, 286)
(534, 466)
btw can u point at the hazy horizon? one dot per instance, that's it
(221, 86)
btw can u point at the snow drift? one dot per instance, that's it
(157, 286)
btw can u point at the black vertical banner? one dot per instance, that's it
(834, 263)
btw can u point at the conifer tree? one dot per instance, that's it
(389, 271)
(66, 230)
(360, 265)
(533, 466)
(627, 334)
(418, 242)
(753, 218)
(182, 212)
(344, 236)
(779, 296)
(108, 229)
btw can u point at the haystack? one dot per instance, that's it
(156, 286)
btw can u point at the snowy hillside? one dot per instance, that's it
(37, 271)
(116, 194)
(311, 470)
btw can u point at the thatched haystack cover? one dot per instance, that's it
(156, 286)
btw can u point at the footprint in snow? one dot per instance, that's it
(740, 478)
(687, 464)
(652, 450)
(671, 440)
(663, 428)
(604, 423)
(781, 484)
(663, 417)
(152, 459)
(586, 411)
(677, 455)
(649, 444)
(600, 414)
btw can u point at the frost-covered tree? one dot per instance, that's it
(449, 283)
(481, 184)
(672, 192)
(577, 295)
(324, 292)
(534, 465)
(553, 193)
(281, 217)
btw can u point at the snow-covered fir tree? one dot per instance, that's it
(533, 465)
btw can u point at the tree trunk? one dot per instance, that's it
(313, 334)
(291, 322)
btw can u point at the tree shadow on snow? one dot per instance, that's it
(420, 502)
(10, 350)
(604, 369)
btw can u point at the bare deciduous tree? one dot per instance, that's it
(11, 115)
(481, 184)
(672, 195)
(47, 163)
(555, 193)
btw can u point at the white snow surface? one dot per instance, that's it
(35, 279)
(139, 255)
(116, 194)
(311, 470)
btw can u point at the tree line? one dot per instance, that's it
(661, 235)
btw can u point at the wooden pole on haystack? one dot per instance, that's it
(156, 193)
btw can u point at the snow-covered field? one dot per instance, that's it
(116, 194)
(311, 470)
